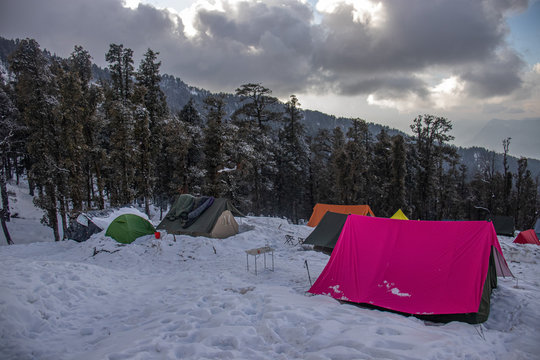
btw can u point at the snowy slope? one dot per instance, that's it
(194, 299)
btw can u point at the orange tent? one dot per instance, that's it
(320, 209)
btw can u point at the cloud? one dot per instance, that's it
(378, 49)
(58, 25)
(498, 75)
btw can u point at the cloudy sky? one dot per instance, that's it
(385, 61)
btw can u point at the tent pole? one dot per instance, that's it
(309, 276)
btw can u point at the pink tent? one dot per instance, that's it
(527, 237)
(415, 267)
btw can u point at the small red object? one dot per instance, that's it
(157, 234)
(258, 251)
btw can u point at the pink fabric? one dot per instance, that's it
(416, 267)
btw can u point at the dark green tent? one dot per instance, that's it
(128, 227)
(504, 225)
(216, 221)
(326, 234)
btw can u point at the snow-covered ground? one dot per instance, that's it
(193, 298)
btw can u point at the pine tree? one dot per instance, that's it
(8, 129)
(173, 162)
(213, 144)
(193, 170)
(121, 69)
(71, 115)
(381, 170)
(464, 193)
(153, 99)
(120, 112)
(231, 185)
(80, 67)
(431, 137)
(507, 176)
(320, 168)
(526, 196)
(256, 144)
(292, 164)
(397, 190)
(484, 188)
(257, 103)
(144, 176)
(338, 163)
(37, 104)
(449, 203)
(357, 163)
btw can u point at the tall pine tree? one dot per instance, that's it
(293, 164)
(37, 104)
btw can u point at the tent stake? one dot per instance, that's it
(309, 276)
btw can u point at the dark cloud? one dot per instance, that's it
(254, 42)
(497, 76)
(390, 86)
(58, 25)
(279, 44)
(415, 36)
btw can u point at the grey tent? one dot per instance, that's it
(81, 228)
(325, 236)
(504, 225)
(217, 220)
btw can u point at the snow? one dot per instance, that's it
(193, 298)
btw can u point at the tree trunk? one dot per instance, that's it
(63, 215)
(4, 211)
(99, 180)
(52, 212)
(88, 186)
(6, 231)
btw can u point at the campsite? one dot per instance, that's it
(269, 179)
(187, 297)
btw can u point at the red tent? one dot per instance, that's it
(414, 267)
(527, 237)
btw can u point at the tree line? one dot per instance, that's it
(87, 143)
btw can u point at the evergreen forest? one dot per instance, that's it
(89, 143)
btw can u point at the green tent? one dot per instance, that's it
(216, 221)
(128, 227)
(326, 234)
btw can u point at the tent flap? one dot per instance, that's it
(327, 231)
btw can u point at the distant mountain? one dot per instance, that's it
(525, 136)
(476, 157)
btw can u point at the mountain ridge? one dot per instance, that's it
(523, 133)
